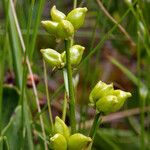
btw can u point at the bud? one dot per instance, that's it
(50, 27)
(106, 104)
(76, 52)
(52, 57)
(106, 99)
(65, 29)
(101, 89)
(122, 97)
(58, 142)
(57, 15)
(78, 141)
(60, 127)
(77, 16)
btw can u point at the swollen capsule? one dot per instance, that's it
(101, 89)
(106, 104)
(121, 96)
(60, 127)
(65, 29)
(77, 17)
(57, 15)
(52, 57)
(78, 141)
(58, 142)
(50, 27)
(76, 52)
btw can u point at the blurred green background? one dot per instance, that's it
(116, 37)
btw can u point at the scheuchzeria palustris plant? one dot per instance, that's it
(103, 97)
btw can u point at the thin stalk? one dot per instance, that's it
(64, 108)
(121, 28)
(95, 125)
(47, 95)
(24, 75)
(65, 76)
(142, 100)
(36, 25)
(142, 116)
(70, 85)
(22, 96)
(2, 61)
(74, 4)
(30, 70)
(107, 35)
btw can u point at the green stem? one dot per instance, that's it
(47, 95)
(142, 125)
(74, 4)
(64, 108)
(71, 90)
(36, 25)
(95, 125)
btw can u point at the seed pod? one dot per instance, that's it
(101, 89)
(56, 14)
(58, 142)
(78, 141)
(76, 52)
(121, 96)
(65, 29)
(77, 16)
(50, 27)
(52, 57)
(60, 127)
(106, 104)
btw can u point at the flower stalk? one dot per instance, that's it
(71, 90)
(96, 123)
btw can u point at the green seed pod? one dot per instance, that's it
(58, 142)
(106, 104)
(52, 57)
(78, 141)
(65, 29)
(76, 52)
(57, 15)
(60, 127)
(50, 27)
(77, 16)
(101, 89)
(122, 97)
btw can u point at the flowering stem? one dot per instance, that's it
(96, 123)
(48, 97)
(64, 108)
(70, 85)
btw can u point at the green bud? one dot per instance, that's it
(101, 89)
(106, 104)
(50, 27)
(65, 29)
(58, 142)
(78, 141)
(76, 52)
(57, 15)
(52, 57)
(60, 127)
(122, 97)
(77, 16)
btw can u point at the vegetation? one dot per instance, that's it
(66, 71)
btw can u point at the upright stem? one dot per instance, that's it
(95, 125)
(64, 108)
(47, 95)
(74, 4)
(71, 90)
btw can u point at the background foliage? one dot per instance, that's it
(116, 37)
